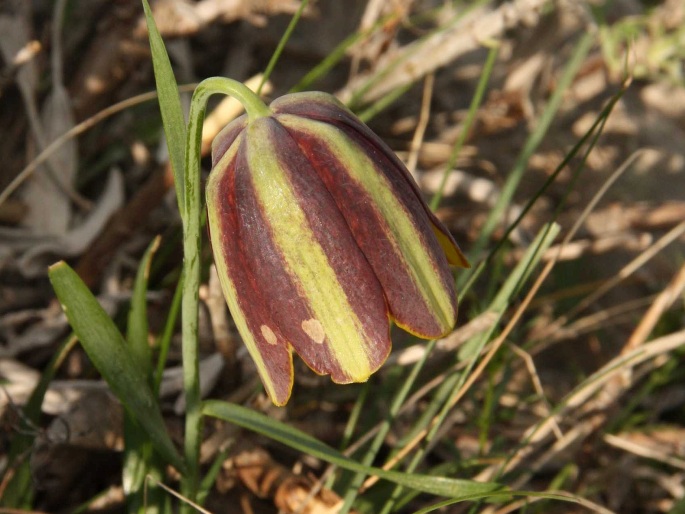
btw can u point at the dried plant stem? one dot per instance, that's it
(656, 310)
(672, 235)
(424, 116)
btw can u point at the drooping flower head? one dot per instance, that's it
(321, 238)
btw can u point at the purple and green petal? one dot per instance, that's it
(248, 304)
(324, 299)
(328, 109)
(320, 237)
(388, 223)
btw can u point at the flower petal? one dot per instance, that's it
(325, 107)
(323, 297)
(388, 222)
(225, 138)
(249, 305)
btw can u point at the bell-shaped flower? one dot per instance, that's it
(321, 238)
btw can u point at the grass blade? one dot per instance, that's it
(450, 391)
(110, 354)
(281, 45)
(516, 175)
(17, 476)
(468, 123)
(260, 423)
(140, 459)
(137, 333)
(169, 104)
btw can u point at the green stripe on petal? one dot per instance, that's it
(275, 367)
(333, 321)
(409, 241)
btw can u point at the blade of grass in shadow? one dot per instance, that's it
(18, 488)
(281, 45)
(164, 340)
(378, 106)
(340, 51)
(110, 354)
(429, 424)
(516, 175)
(555, 495)
(212, 474)
(140, 460)
(348, 433)
(468, 122)
(465, 281)
(137, 333)
(333, 58)
(294, 438)
(395, 406)
(169, 104)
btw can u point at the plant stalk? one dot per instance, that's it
(255, 108)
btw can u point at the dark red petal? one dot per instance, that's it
(289, 303)
(250, 305)
(324, 107)
(224, 139)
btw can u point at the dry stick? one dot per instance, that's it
(421, 57)
(596, 320)
(598, 380)
(73, 132)
(177, 495)
(576, 399)
(624, 273)
(497, 343)
(424, 116)
(644, 451)
(371, 17)
(664, 301)
(624, 380)
(537, 384)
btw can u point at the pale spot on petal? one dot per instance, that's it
(268, 334)
(314, 329)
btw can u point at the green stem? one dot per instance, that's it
(255, 108)
(281, 44)
(468, 123)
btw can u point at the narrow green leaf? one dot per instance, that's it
(140, 460)
(137, 332)
(536, 137)
(281, 45)
(17, 474)
(332, 58)
(164, 341)
(169, 104)
(502, 496)
(258, 422)
(440, 406)
(109, 353)
(468, 123)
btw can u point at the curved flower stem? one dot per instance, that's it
(191, 207)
